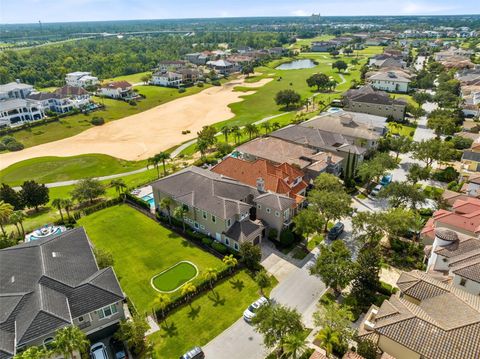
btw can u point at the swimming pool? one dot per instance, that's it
(44, 232)
(149, 199)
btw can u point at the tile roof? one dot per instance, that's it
(444, 325)
(70, 91)
(45, 283)
(118, 84)
(469, 269)
(277, 178)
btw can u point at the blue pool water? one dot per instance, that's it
(57, 231)
(149, 199)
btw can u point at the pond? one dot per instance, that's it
(296, 65)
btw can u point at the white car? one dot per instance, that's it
(249, 313)
(376, 190)
(98, 351)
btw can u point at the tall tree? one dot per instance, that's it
(251, 129)
(276, 322)
(119, 185)
(188, 289)
(334, 266)
(375, 168)
(58, 204)
(403, 194)
(237, 133)
(328, 340)
(70, 339)
(34, 194)
(67, 204)
(163, 157)
(9, 195)
(230, 261)
(266, 126)
(331, 205)
(88, 189)
(400, 144)
(132, 332)
(335, 316)
(263, 280)
(340, 65)
(226, 130)
(366, 280)
(307, 222)
(250, 255)
(6, 210)
(321, 81)
(167, 203)
(180, 212)
(201, 146)
(162, 301)
(208, 134)
(293, 345)
(433, 150)
(155, 162)
(17, 218)
(287, 98)
(210, 274)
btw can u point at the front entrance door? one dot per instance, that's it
(218, 236)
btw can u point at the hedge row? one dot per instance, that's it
(201, 287)
(138, 201)
(96, 207)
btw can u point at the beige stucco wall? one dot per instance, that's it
(395, 349)
(470, 285)
(396, 111)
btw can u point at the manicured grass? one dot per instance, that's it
(315, 241)
(133, 78)
(175, 276)
(141, 249)
(56, 169)
(207, 316)
(402, 130)
(114, 110)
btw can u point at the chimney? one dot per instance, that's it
(260, 184)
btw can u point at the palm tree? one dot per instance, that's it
(210, 275)
(162, 157)
(162, 303)
(155, 162)
(58, 203)
(180, 213)
(166, 203)
(119, 186)
(202, 147)
(187, 290)
(266, 126)
(251, 130)
(230, 261)
(236, 132)
(417, 225)
(34, 353)
(276, 125)
(6, 210)
(67, 204)
(263, 280)
(328, 338)
(226, 130)
(17, 218)
(70, 339)
(294, 344)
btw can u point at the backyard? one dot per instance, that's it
(143, 249)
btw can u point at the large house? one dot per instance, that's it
(223, 67)
(390, 81)
(52, 283)
(62, 100)
(471, 157)
(225, 209)
(311, 161)
(121, 90)
(283, 178)
(428, 319)
(167, 79)
(15, 106)
(81, 79)
(368, 100)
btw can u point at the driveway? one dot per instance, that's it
(297, 289)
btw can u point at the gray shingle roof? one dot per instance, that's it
(44, 283)
(209, 191)
(240, 231)
(471, 156)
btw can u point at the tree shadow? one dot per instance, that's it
(194, 312)
(237, 284)
(216, 299)
(170, 329)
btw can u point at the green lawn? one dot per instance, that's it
(133, 78)
(208, 316)
(402, 130)
(141, 249)
(114, 110)
(175, 276)
(55, 169)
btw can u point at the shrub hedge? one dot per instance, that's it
(138, 201)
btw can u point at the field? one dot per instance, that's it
(141, 249)
(56, 169)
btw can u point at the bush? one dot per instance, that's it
(97, 121)
(138, 201)
(287, 238)
(132, 103)
(446, 175)
(7, 139)
(219, 247)
(2, 147)
(272, 234)
(14, 146)
(207, 241)
(386, 289)
(181, 90)
(200, 84)
(216, 83)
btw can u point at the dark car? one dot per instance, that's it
(118, 349)
(195, 353)
(336, 230)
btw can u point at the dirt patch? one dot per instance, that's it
(142, 135)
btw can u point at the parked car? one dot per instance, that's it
(118, 349)
(195, 353)
(376, 190)
(249, 313)
(335, 231)
(385, 181)
(98, 351)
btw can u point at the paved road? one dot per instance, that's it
(298, 290)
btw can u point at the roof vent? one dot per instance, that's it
(54, 254)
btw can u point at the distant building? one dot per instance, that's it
(15, 90)
(223, 67)
(197, 58)
(322, 46)
(391, 81)
(15, 106)
(167, 79)
(121, 90)
(81, 79)
(368, 100)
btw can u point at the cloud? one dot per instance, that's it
(300, 12)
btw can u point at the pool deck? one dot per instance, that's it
(144, 191)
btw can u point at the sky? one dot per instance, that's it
(28, 11)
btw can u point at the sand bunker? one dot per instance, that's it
(142, 135)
